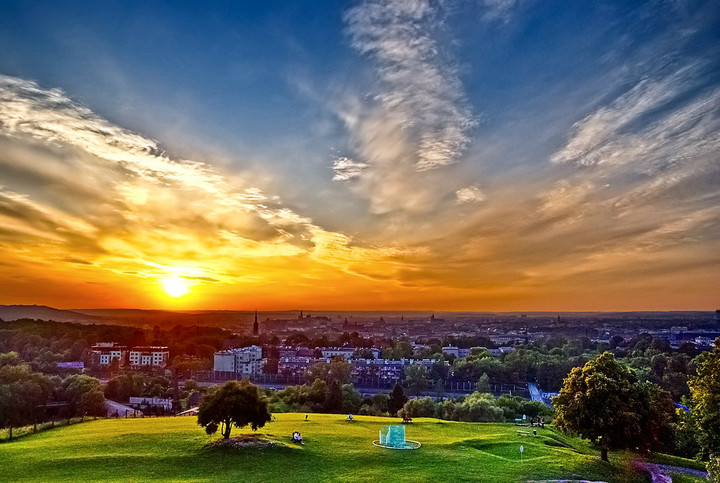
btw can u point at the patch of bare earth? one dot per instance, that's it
(243, 442)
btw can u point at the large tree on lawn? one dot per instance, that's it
(603, 402)
(233, 404)
(705, 391)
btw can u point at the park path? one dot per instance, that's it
(661, 473)
(535, 393)
(111, 407)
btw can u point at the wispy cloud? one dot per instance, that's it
(416, 117)
(346, 169)
(498, 10)
(595, 138)
(417, 84)
(469, 194)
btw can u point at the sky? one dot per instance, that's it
(488, 155)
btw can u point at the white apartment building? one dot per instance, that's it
(346, 352)
(451, 351)
(243, 361)
(104, 352)
(149, 356)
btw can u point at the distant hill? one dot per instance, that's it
(42, 312)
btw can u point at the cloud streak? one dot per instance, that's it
(415, 119)
(417, 85)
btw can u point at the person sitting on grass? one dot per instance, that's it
(297, 437)
(350, 417)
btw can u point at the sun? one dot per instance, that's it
(175, 286)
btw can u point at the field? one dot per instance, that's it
(174, 449)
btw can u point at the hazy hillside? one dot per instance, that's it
(15, 312)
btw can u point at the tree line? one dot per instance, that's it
(29, 398)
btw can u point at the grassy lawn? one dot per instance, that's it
(335, 450)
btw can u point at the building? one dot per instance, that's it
(346, 352)
(385, 370)
(294, 365)
(104, 353)
(149, 356)
(139, 402)
(500, 351)
(451, 351)
(242, 362)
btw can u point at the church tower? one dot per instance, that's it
(256, 328)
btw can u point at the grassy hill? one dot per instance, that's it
(335, 450)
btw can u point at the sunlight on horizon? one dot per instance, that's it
(175, 286)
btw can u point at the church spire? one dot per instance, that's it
(256, 328)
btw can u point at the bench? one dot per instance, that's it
(523, 433)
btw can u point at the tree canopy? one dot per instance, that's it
(705, 391)
(397, 400)
(236, 403)
(84, 396)
(603, 402)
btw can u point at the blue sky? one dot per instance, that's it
(490, 154)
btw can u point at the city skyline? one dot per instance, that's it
(496, 155)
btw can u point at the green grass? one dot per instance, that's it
(26, 430)
(173, 449)
(685, 478)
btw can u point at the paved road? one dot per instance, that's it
(535, 393)
(111, 407)
(662, 473)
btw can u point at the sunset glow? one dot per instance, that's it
(175, 286)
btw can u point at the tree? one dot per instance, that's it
(416, 378)
(351, 399)
(705, 392)
(84, 395)
(338, 370)
(603, 402)
(334, 398)
(483, 383)
(234, 404)
(23, 393)
(397, 400)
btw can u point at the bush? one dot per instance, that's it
(419, 408)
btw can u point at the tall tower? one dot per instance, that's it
(255, 326)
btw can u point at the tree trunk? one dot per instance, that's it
(604, 453)
(10, 438)
(227, 427)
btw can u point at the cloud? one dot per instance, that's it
(416, 118)
(417, 85)
(498, 10)
(469, 194)
(346, 169)
(595, 138)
